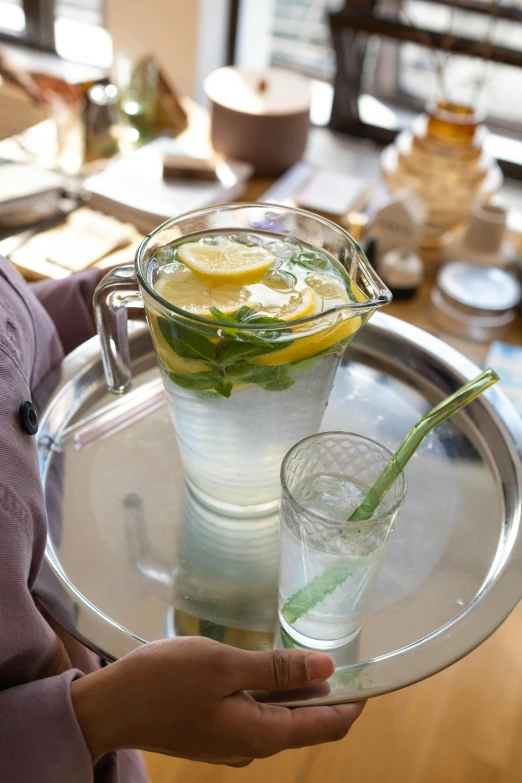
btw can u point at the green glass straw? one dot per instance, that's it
(315, 592)
(444, 410)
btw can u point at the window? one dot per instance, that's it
(405, 74)
(71, 28)
(12, 17)
(410, 52)
(83, 11)
(79, 32)
(420, 73)
(301, 36)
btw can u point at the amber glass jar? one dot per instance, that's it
(453, 122)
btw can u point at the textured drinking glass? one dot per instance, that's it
(232, 442)
(327, 564)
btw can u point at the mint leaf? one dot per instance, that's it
(227, 319)
(223, 387)
(268, 378)
(244, 313)
(274, 379)
(187, 342)
(198, 381)
(229, 359)
(262, 319)
(262, 336)
(232, 351)
(221, 316)
(201, 381)
(258, 337)
(242, 371)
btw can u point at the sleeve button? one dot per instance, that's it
(28, 418)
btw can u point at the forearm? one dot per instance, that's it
(95, 700)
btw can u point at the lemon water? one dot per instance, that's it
(344, 556)
(244, 390)
(232, 449)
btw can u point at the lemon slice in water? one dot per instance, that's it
(183, 289)
(300, 305)
(228, 262)
(306, 347)
(336, 329)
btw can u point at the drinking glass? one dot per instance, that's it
(328, 564)
(232, 441)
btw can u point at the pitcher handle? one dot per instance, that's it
(116, 292)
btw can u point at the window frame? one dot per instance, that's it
(359, 24)
(389, 65)
(39, 26)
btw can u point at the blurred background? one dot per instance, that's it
(399, 119)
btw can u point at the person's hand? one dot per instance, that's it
(186, 697)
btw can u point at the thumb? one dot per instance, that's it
(279, 670)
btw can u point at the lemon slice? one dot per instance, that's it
(170, 359)
(228, 262)
(299, 306)
(183, 289)
(306, 347)
(336, 329)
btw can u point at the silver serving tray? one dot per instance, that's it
(131, 558)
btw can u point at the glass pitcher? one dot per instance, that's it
(239, 397)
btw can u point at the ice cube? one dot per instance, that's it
(174, 268)
(331, 496)
(246, 239)
(325, 285)
(280, 249)
(312, 261)
(216, 241)
(279, 280)
(165, 255)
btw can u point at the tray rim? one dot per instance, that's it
(451, 642)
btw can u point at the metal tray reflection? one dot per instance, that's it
(133, 557)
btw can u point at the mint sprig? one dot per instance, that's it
(276, 378)
(186, 342)
(229, 359)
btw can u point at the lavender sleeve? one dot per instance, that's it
(40, 738)
(69, 303)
